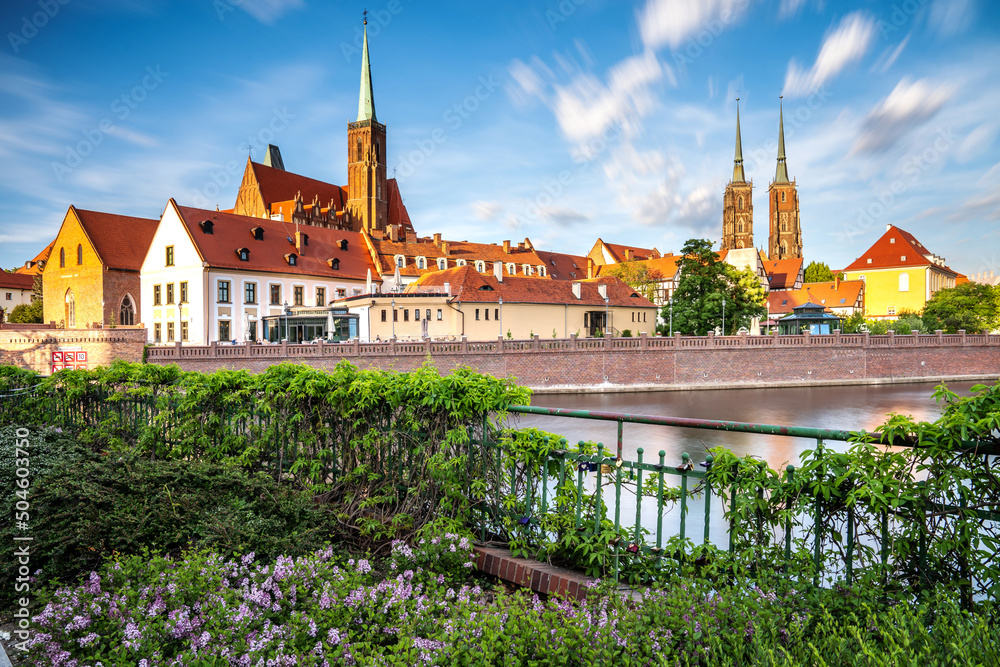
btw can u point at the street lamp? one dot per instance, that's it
(393, 304)
(606, 322)
(723, 314)
(287, 309)
(500, 301)
(671, 315)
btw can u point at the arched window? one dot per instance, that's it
(400, 261)
(70, 309)
(79, 254)
(127, 312)
(62, 258)
(784, 248)
(442, 263)
(511, 268)
(904, 282)
(357, 155)
(741, 203)
(480, 266)
(782, 196)
(541, 271)
(420, 262)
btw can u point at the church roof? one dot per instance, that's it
(120, 241)
(231, 232)
(278, 185)
(738, 175)
(469, 286)
(366, 99)
(781, 173)
(896, 249)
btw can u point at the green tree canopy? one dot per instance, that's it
(972, 307)
(704, 284)
(818, 272)
(638, 276)
(29, 313)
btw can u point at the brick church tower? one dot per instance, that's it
(737, 207)
(366, 159)
(785, 237)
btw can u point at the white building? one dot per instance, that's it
(15, 289)
(214, 276)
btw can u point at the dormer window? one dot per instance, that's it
(421, 263)
(527, 269)
(541, 271)
(292, 259)
(869, 260)
(902, 258)
(459, 262)
(400, 261)
(334, 263)
(511, 268)
(442, 263)
(258, 233)
(343, 244)
(480, 266)
(207, 226)
(485, 288)
(892, 239)
(243, 254)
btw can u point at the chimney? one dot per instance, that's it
(411, 237)
(836, 282)
(506, 247)
(393, 233)
(602, 289)
(576, 291)
(301, 241)
(444, 247)
(628, 254)
(437, 240)
(590, 268)
(447, 289)
(498, 271)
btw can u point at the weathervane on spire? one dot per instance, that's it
(365, 13)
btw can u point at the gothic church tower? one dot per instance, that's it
(737, 207)
(785, 237)
(366, 159)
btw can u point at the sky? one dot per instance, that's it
(560, 121)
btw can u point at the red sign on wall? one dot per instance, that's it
(69, 360)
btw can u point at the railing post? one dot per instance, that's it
(643, 341)
(836, 337)
(500, 344)
(940, 336)
(865, 336)
(961, 332)
(892, 338)
(572, 341)
(711, 339)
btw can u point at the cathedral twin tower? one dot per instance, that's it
(785, 228)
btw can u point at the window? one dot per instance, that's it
(782, 196)
(258, 233)
(383, 315)
(250, 293)
(862, 277)
(170, 255)
(341, 292)
(442, 263)
(869, 260)
(70, 308)
(62, 258)
(223, 291)
(156, 295)
(184, 292)
(892, 239)
(395, 314)
(511, 268)
(496, 313)
(633, 316)
(427, 314)
(486, 314)
(292, 259)
(406, 314)
(170, 332)
(440, 314)
(892, 310)
(224, 330)
(416, 314)
(244, 254)
(902, 258)
(184, 331)
(400, 261)
(252, 330)
(320, 296)
(10, 296)
(480, 266)
(420, 262)
(541, 271)
(477, 313)
(79, 254)
(170, 293)
(275, 295)
(298, 295)
(157, 337)
(904, 282)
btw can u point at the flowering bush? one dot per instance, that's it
(322, 610)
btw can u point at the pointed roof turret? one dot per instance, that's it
(366, 101)
(781, 174)
(738, 175)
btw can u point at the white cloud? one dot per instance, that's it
(951, 17)
(845, 45)
(563, 216)
(910, 104)
(671, 22)
(889, 56)
(486, 210)
(269, 11)
(790, 8)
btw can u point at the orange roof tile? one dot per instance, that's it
(831, 295)
(17, 281)
(35, 265)
(121, 241)
(783, 273)
(896, 248)
(232, 232)
(387, 251)
(278, 185)
(467, 285)
(560, 266)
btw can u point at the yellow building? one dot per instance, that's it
(899, 274)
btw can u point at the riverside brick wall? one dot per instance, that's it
(33, 348)
(622, 363)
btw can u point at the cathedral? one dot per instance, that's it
(784, 226)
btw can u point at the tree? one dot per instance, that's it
(818, 272)
(972, 307)
(29, 313)
(704, 284)
(638, 276)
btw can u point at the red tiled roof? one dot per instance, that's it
(121, 241)
(16, 280)
(559, 266)
(32, 267)
(896, 248)
(666, 265)
(278, 185)
(961, 279)
(619, 251)
(232, 232)
(457, 250)
(469, 286)
(397, 209)
(829, 295)
(782, 273)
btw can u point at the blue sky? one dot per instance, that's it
(557, 121)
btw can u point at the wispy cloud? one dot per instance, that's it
(910, 104)
(952, 17)
(847, 44)
(268, 11)
(672, 22)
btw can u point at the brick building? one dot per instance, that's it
(92, 276)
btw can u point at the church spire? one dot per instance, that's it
(366, 101)
(738, 175)
(781, 174)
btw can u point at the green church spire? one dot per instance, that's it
(781, 174)
(738, 175)
(366, 101)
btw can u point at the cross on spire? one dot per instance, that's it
(365, 14)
